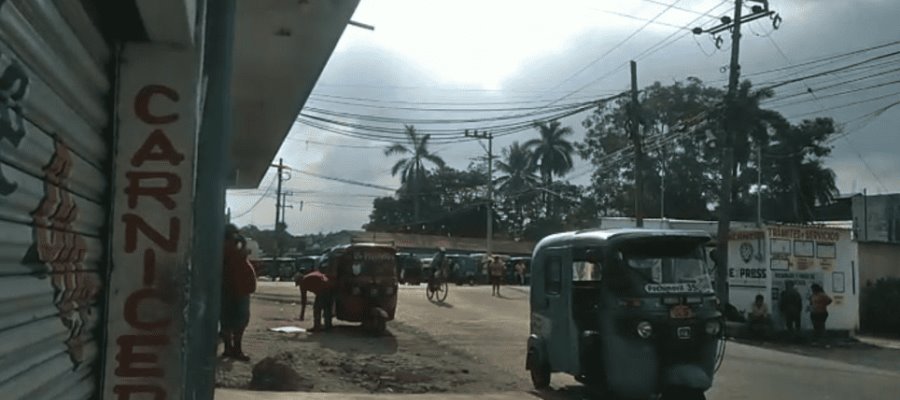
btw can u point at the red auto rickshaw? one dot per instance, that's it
(367, 283)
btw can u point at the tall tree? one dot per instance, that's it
(552, 152)
(412, 168)
(675, 173)
(797, 177)
(517, 183)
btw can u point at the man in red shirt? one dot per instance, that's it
(238, 282)
(323, 287)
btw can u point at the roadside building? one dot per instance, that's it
(122, 123)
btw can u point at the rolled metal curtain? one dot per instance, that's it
(54, 200)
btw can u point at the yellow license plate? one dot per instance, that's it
(681, 312)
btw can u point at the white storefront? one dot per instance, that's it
(765, 261)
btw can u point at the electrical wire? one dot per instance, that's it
(364, 100)
(830, 71)
(605, 54)
(258, 201)
(346, 181)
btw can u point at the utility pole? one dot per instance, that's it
(280, 177)
(638, 149)
(727, 167)
(662, 183)
(490, 185)
(759, 186)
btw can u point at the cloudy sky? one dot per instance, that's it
(435, 61)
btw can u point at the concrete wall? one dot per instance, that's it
(878, 260)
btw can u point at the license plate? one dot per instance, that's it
(681, 312)
(684, 332)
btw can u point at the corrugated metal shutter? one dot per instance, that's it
(54, 150)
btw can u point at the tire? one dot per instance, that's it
(540, 376)
(683, 394)
(429, 293)
(441, 294)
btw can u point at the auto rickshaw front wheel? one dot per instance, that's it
(682, 393)
(540, 376)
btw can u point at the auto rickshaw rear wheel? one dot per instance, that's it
(540, 376)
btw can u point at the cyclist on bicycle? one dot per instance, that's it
(437, 269)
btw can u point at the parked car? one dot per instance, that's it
(467, 269)
(276, 269)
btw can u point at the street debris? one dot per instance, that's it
(288, 329)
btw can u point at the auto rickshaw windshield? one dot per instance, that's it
(374, 262)
(668, 268)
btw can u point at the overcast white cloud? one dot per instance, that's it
(520, 50)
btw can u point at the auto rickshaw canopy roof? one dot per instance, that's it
(598, 237)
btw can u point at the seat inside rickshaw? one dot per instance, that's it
(586, 300)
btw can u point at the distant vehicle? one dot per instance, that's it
(467, 269)
(277, 269)
(366, 278)
(410, 269)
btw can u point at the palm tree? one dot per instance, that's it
(552, 152)
(412, 168)
(519, 176)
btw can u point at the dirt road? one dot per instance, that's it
(474, 344)
(405, 360)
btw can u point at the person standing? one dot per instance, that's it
(520, 272)
(495, 269)
(323, 305)
(818, 309)
(759, 316)
(238, 282)
(791, 307)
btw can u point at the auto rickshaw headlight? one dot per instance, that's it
(713, 327)
(644, 329)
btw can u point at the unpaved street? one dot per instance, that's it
(474, 343)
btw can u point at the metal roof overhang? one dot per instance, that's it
(280, 49)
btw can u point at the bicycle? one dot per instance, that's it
(437, 290)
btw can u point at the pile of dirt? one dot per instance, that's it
(278, 374)
(387, 373)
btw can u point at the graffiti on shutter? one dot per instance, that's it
(13, 87)
(63, 250)
(55, 242)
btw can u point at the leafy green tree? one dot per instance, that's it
(412, 168)
(669, 114)
(797, 177)
(516, 184)
(552, 153)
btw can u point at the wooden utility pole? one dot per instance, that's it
(729, 128)
(728, 159)
(638, 149)
(278, 211)
(490, 185)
